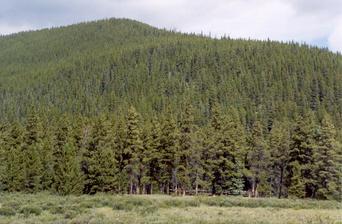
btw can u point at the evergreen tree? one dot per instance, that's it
(301, 151)
(151, 141)
(120, 155)
(258, 162)
(279, 148)
(186, 149)
(297, 187)
(169, 143)
(326, 160)
(47, 160)
(215, 152)
(133, 150)
(32, 152)
(99, 164)
(227, 145)
(67, 178)
(12, 172)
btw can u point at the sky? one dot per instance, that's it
(316, 22)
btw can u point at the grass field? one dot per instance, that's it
(104, 208)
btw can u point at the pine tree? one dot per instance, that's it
(186, 149)
(297, 187)
(151, 142)
(279, 148)
(99, 164)
(326, 160)
(133, 150)
(234, 143)
(12, 172)
(301, 151)
(226, 147)
(215, 153)
(32, 152)
(169, 144)
(47, 160)
(67, 178)
(197, 161)
(258, 162)
(120, 155)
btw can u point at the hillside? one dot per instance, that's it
(106, 65)
(119, 106)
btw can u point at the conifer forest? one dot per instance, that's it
(121, 107)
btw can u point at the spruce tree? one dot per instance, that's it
(67, 178)
(99, 164)
(215, 153)
(32, 152)
(301, 151)
(326, 160)
(258, 162)
(133, 150)
(169, 143)
(226, 147)
(151, 162)
(186, 149)
(297, 187)
(279, 149)
(12, 169)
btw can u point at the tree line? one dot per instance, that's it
(172, 155)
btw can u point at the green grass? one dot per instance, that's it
(105, 208)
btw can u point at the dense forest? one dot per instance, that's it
(118, 106)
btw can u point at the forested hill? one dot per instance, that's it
(106, 65)
(119, 106)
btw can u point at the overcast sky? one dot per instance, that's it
(317, 22)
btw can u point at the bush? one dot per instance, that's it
(7, 211)
(28, 210)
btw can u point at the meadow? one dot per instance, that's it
(105, 208)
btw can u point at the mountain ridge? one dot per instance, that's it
(99, 64)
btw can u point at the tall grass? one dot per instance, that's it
(105, 208)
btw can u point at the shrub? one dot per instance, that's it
(28, 210)
(7, 211)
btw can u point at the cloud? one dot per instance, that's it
(299, 20)
(335, 38)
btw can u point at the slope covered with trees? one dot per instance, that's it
(119, 106)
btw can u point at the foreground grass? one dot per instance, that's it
(104, 208)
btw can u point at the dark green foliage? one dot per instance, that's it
(192, 114)
(67, 176)
(258, 158)
(327, 156)
(301, 160)
(169, 145)
(297, 186)
(32, 153)
(279, 143)
(227, 144)
(98, 162)
(133, 151)
(104, 66)
(12, 164)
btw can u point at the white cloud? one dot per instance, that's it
(299, 20)
(8, 29)
(335, 38)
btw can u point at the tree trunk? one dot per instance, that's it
(281, 182)
(196, 188)
(131, 187)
